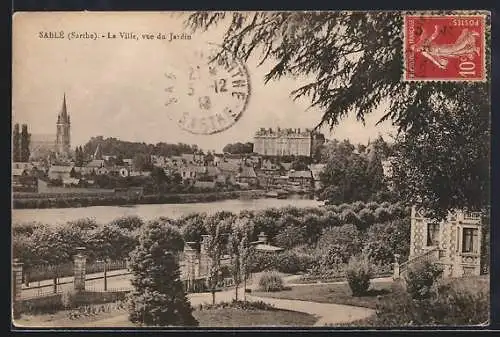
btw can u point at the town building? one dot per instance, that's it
(302, 178)
(247, 175)
(23, 180)
(57, 172)
(453, 243)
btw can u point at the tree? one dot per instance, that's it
(245, 250)
(345, 178)
(142, 162)
(238, 148)
(158, 175)
(214, 251)
(79, 156)
(158, 298)
(16, 144)
(355, 64)
(383, 240)
(25, 144)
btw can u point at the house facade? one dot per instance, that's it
(454, 243)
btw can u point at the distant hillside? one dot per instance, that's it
(126, 149)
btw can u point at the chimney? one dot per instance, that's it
(262, 237)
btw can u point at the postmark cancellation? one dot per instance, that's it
(208, 92)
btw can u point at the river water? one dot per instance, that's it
(105, 214)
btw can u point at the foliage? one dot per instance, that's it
(348, 176)
(125, 149)
(16, 144)
(129, 223)
(383, 240)
(451, 306)
(421, 279)
(79, 156)
(238, 148)
(110, 242)
(68, 298)
(270, 282)
(83, 224)
(25, 144)
(340, 242)
(354, 61)
(158, 298)
(243, 305)
(293, 263)
(290, 236)
(215, 246)
(358, 273)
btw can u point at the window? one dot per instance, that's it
(469, 240)
(433, 234)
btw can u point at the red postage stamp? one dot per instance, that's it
(444, 48)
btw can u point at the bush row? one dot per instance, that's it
(325, 232)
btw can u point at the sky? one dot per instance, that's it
(116, 87)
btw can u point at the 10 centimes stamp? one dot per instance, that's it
(209, 92)
(444, 48)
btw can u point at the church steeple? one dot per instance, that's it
(63, 116)
(63, 144)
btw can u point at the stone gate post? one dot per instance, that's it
(17, 281)
(79, 264)
(396, 272)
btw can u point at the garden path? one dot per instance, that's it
(327, 313)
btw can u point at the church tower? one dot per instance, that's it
(63, 145)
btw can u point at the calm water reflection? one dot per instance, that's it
(105, 214)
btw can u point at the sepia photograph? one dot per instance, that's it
(238, 169)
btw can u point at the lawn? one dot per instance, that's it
(227, 317)
(337, 293)
(231, 317)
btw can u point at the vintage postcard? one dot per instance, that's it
(250, 169)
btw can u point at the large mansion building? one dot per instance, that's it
(284, 142)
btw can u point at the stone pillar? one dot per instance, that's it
(189, 262)
(262, 237)
(17, 281)
(203, 265)
(79, 262)
(396, 273)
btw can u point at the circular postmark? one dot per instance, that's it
(208, 92)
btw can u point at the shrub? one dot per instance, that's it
(382, 214)
(292, 263)
(451, 306)
(366, 218)
(421, 279)
(129, 223)
(68, 298)
(271, 282)
(383, 240)
(358, 274)
(83, 224)
(290, 236)
(372, 205)
(347, 238)
(243, 305)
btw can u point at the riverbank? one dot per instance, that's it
(62, 201)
